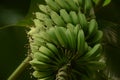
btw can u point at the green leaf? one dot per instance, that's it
(102, 2)
(106, 2)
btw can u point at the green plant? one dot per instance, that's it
(66, 40)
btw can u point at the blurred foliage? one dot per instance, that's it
(13, 37)
(15, 15)
(105, 2)
(109, 21)
(12, 49)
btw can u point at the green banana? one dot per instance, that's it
(66, 17)
(45, 9)
(80, 42)
(41, 75)
(71, 39)
(54, 49)
(87, 6)
(60, 34)
(71, 34)
(63, 4)
(74, 17)
(97, 38)
(36, 44)
(57, 19)
(72, 5)
(47, 52)
(92, 28)
(37, 40)
(38, 23)
(34, 48)
(41, 16)
(51, 33)
(86, 47)
(43, 58)
(68, 36)
(76, 30)
(93, 52)
(70, 26)
(53, 5)
(50, 69)
(43, 35)
(39, 27)
(48, 23)
(83, 21)
(76, 2)
(42, 66)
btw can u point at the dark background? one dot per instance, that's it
(13, 39)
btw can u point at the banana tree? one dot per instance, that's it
(67, 42)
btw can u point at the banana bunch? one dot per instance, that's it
(65, 44)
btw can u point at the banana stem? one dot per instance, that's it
(63, 73)
(20, 69)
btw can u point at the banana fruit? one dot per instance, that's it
(41, 16)
(65, 42)
(87, 6)
(51, 33)
(72, 5)
(46, 51)
(37, 74)
(66, 17)
(81, 42)
(41, 65)
(42, 57)
(53, 5)
(48, 23)
(83, 21)
(45, 9)
(57, 19)
(44, 36)
(38, 24)
(60, 34)
(63, 4)
(71, 39)
(97, 38)
(74, 17)
(92, 27)
(93, 52)
(54, 49)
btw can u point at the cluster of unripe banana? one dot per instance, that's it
(65, 43)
